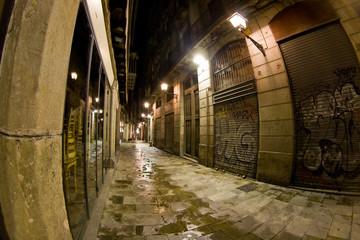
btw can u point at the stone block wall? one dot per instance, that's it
(276, 116)
(206, 146)
(349, 13)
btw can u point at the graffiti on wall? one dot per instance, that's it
(236, 135)
(329, 129)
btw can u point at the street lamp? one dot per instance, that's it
(74, 76)
(240, 23)
(164, 88)
(146, 104)
(199, 59)
(143, 115)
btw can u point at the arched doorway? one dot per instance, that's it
(236, 116)
(325, 78)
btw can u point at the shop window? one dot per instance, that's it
(83, 126)
(191, 80)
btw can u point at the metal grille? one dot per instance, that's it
(232, 66)
(237, 135)
(324, 74)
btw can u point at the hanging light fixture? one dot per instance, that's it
(240, 23)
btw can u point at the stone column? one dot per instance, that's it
(206, 146)
(276, 114)
(33, 79)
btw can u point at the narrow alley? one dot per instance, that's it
(157, 195)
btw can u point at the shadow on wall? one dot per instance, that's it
(3, 233)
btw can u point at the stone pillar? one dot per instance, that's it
(276, 114)
(113, 124)
(33, 83)
(206, 146)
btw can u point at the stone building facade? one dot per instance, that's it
(288, 116)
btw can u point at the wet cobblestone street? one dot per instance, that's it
(157, 195)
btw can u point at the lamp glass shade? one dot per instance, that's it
(237, 20)
(164, 86)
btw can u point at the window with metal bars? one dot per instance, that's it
(232, 66)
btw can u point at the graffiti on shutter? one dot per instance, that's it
(237, 135)
(324, 74)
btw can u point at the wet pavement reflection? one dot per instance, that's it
(157, 195)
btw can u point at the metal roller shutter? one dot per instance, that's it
(237, 135)
(324, 74)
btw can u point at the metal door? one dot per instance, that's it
(169, 131)
(157, 139)
(235, 110)
(324, 74)
(237, 135)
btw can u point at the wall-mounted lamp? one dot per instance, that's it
(164, 88)
(198, 59)
(143, 115)
(97, 99)
(74, 76)
(240, 23)
(146, 104)
(100, 111)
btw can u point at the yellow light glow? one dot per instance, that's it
(146, 104)
(96, 99)
(198, 59)
(143, 115)
(164, 86)
(74, 75)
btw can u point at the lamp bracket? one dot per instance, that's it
(258, 45)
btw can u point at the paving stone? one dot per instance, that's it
(317, 197)
(317, 230)
(340, 230)
(286, 236)
(299, 226)
(342, 219)
(355, 236)
(344, 210)
(269, 229)
(162, 196)
(299, 200)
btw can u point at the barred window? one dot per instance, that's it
(232, 65)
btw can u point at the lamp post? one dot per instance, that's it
(240, 23)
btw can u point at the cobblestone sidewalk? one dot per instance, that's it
(156, 195)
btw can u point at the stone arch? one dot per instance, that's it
(33, 78)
